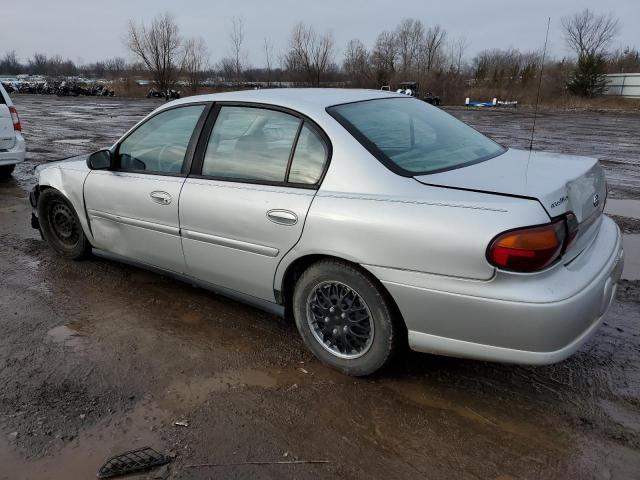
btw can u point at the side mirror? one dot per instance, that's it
(100, 160)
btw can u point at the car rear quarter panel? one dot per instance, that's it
(367, 214)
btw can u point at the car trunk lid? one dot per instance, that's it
(561, 183)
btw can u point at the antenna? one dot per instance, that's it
(535, 112)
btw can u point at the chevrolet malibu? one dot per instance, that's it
(372, 218)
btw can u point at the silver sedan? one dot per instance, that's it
(371, 218)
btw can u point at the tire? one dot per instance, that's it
(6, 170)
(60, 226)
(345, 339)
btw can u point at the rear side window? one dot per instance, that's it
(159, 145)
(309, 158)
(412, 137)
(249, 143)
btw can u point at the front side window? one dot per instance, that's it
(250, 143)
(159, 145)
(413, 137)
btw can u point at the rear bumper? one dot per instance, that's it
(13, 155)
(529, 319)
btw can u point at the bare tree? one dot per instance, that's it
(38, 63)
(115, 65)
(236, 36)
(432, 49)
(409, 37)
(625, 60)
(10, 63)
(268, 56)
(457, 50)
(159, 47)
(227, 68)
(589, 34)
(196, 60)
(385, 56)
(356, 62)
(310, 53)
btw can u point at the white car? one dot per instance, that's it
(372, 218)
(12, 145)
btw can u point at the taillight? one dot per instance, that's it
(15, 119)
(572, 228)
(528, 249)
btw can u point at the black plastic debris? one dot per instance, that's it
(132, 461)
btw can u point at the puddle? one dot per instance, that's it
(196, 391)
(73, 141)
(476, 413)
(71, 114)
(65, 335)
(98, 106)
(82, 457)
(623, 208)
(631, 245)
(622, 414)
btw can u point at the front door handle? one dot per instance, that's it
(282, 217)
(163, 198)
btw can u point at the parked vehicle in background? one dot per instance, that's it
(9, 87)
(12, 144)
(431, 98)
(370, 217)
(168, 94)
(408, 88)
(493, 103)
(413, 90)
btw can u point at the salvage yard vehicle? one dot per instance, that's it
(372, 218)
(12, 144)
(413, 90)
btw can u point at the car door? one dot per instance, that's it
(133, 208)
(244, 206)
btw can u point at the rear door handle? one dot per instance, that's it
(282, 217)
(163, 198)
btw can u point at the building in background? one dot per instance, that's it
(623, 85)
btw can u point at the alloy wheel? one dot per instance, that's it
(340, 319)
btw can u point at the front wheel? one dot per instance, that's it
(344, 318)
(60, 225)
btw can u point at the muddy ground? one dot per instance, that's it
(97, 357)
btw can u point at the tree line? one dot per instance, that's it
(412, 51)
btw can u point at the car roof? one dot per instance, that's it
(303, 100)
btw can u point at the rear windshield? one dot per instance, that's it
(412, 137)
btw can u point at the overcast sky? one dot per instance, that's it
(86, 31)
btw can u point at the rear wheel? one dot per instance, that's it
(344, 318)
(60, 225)
(6, 170)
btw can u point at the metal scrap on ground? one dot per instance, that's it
(239, 464)
(132, 461)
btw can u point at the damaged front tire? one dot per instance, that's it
(60, 226)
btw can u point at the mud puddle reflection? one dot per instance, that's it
(65, 336)
(623, 208)
(183, 395)
(82, 457)
(631, 245)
